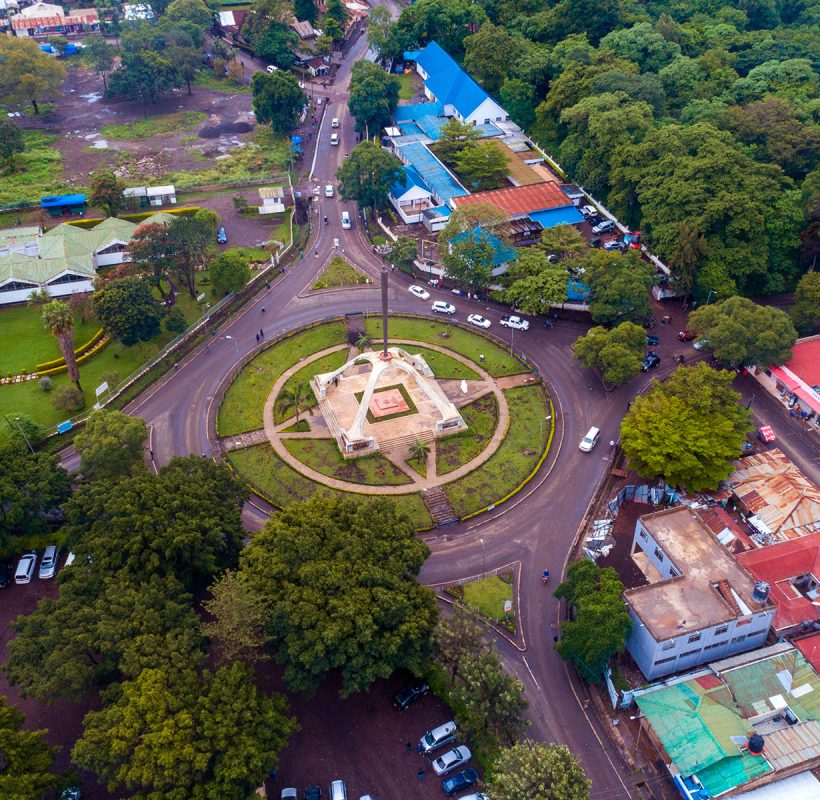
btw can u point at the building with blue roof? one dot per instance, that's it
(502, 252)
(410, 195)
(447, 83)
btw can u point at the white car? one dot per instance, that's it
(272, 69)
(328, 191)
(334, 123)
(479, 321)
(475, 796)
(589, 211)
(701, 344)
(515, 322)
(25, 568)
(452, 759)
(440, 307)
(289, 794)
(422, 294)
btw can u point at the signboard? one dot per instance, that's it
(103, 387)
(65, 426)
(507, 606)
(200, 298)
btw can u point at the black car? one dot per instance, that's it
(313, 793)
(653, 341)
(461, 780)
(5, 574)
(407, 696)
(650, 360)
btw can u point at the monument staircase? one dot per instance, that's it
(438, 505)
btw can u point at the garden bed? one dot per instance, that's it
(487, 596)
(340, 272)
(452, 451)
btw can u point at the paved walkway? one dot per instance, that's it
(275, 435)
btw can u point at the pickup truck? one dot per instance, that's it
(515, 322)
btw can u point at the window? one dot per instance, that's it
(69, 278)
(16, 286)
(742, 622)
(738, 639)
(487, 121)
(695, 637)
(673, 573)
(642, 535)
(670, 645)
(716, 644)
(721, 631)
(690, 653)
(658, 554)
(664, 661)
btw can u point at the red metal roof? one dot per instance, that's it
(809, 646)
(805, 361)
(519, 199)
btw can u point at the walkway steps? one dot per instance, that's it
(242, 440)
(403, 443)
(438, 505)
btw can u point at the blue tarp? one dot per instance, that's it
(566, 215)
(577, 292)
(62, 200)
(418, 110)
(432, 171)
(502, 252)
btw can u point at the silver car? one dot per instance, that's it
(452, 759)
(25, 568)
(338, 791)
(48, 565)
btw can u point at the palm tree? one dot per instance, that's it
(419, 450)
(39, 297)
(58, 319)
(363, 342)
(296, 398)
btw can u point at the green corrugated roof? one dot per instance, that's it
(731, 772)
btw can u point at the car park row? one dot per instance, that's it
(24, 573)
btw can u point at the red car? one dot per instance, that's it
(686, 335)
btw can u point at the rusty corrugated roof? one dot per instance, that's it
(519, 199)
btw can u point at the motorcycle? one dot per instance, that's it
(545, 578)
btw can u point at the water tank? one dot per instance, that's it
(791, 718)
(755, 744)
(761, 592)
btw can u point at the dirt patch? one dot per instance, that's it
(623, 532)
(225, 129)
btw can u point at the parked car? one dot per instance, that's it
(5, 573)
(221, 236)
(614, 244)
(337, 791)
(25, 568)
(603, 227)
(334, 140)
(289, 793)
(653, 341)
(312, 793)
(686, 335)
(48, 563)
(589, 211)
(440, 307)
(329, 190)
(438, 737)
(474, 796)
(461, 780)
(419, 292)
(334, 123)
(595, 242)
(447, 762)
(519, 324)
(70, 793)
(479, 321)
(650, 361)
(409, 694)
(346, 223)
(701, 344)
(271, 69)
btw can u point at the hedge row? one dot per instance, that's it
(64, 368)
(92, 222)
(78, 351)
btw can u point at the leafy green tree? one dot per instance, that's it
(277, 99)
(111, 444)
(404, 251)
(186, 62)
(483, 166)
(127, 310)
(617, 353)
(687, 257)
(194, 11)
(476, 215)
(419, 450)
(306, 10)
(102, 55)
(59, 321)
(447, 22)
(489, 54)
(237, 621)
(229, 271)
(688, 429)
(335, 10)
(518, 98)
(338, 581)
(273, 43)
(176, 734)
(564, 241)
(21, 430)
(374, 95)
(367, 175)
(33, 487)
(106, 192)
(69, 399)
(600, 624)
(11, 143)
(175, 321)
(192, 243)
(469, 259)
(456, 637)
(806, 308)
(537, 281)
(619, 284)
(646, 88)
(29, 75)
(25, 756)
(380, 29)
(743, 333)
(454, 139)
(533, 771)
(152, 253)
(143, 76)
(642, 44)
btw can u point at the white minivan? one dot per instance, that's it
(590, 440)
(346, 220)
(334, 138)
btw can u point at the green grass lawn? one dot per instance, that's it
(497, 362)
(515, 458)
(39, 171)
(339, 272)
(323, 455)
(298, 427)
(242, 406)
(417, 466)
(283, 486)
(160, 125)
(25, 343)
(444, 366)
(326, 363)
(408, 83)
(207, 80)
(488, 596)
(453, 451)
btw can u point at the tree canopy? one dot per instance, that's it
(278, 100)
(111, 444)
(26, 757)
(537, 279)
(533, 771)
(229, 271)
(368, 174)
(106, 192)
(337, 579)
(619, 286)
(127, 310)
(29, 75)
(687, 429)
(374, 95)
(617, 352)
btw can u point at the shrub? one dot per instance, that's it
(69, 398)
(175, 321)
(45, 384)
(112, 379)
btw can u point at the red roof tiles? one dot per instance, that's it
(519, 199)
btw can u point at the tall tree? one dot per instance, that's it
(616, 353)
(295, 399)
(380, 29)
(404, 251)
(688, 430)
(456, 637)
(374, 95)
(469, 259)
(490, 53)
(25, 756)
(455, 137)
(533, 771)
(277, 99)
(806, 308)
(338, 581)
(482, 166)
(143, 75)
(186, 61)
(447, 22)
(367, 175)
(229, 271)
(619, 284)
(11, 143)
(600, 624)
(102, 56)
(537, 280)
(106, 192)
(192, 243)
(127, 310)
(743, 333)
(29, 75)
(59, 321)
(152, 253)
(111, 444)
(687, 257)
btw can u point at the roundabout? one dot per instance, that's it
(445, 435)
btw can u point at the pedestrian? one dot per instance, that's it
(151, 454)
(418, 748)
(176, 365)
(267, 284)
(316, 252)
(261, 334)
(257, 338)
(409, 747)
(611, 444)
(263, 309)
(421, 774)
(628, 406)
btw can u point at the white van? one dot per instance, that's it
(346, 220)
(590, 440)
(334, 138)
(334, 123)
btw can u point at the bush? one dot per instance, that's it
(112, 379)
(175, 321)
(45, 384)
(69, 398)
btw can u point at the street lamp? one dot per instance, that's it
(235, 342)
(709, 296)
(546, 419)
(484, 560)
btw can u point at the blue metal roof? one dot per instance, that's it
(410, 55)
(410, 178)
(502, 252)
(565, 215)
(432, 171)
(55, 201)
(448, 81)
(418, 111)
